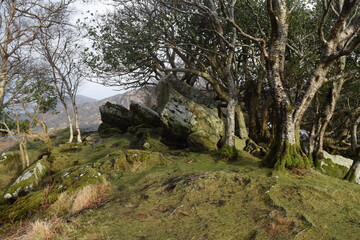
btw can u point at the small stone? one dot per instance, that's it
(7, 196)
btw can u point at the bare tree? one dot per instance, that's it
(21, 21)
(58, 45)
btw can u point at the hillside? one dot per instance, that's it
(167, 192)
(89, 108)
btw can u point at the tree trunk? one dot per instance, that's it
(285, 151)
(230, 122)
(265, 134)
(76, 116)
(354, 172)
(68, 115)
(354, 140)
(325, 116)
(240, 119)
(23, 152)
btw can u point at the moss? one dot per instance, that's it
(29, 180)
(23, 207)
(284, 155)
(328, 167)
(228, 153)
(106, 131)
(76, 177)
(201, 141)
(140, 160)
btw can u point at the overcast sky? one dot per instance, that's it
(89, 89)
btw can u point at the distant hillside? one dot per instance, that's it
(89, 108)
(80, 99)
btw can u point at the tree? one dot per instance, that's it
(175, 42)
(286, 151)
(59, 46)
(21, 22)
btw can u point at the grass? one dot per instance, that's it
(194, 196)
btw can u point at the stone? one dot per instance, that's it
(144, 115)
(200, 141)
(186, 119)
(240, 144)
(334, 165)
(28, 181)
(105, 130)
(338, 159)
(116, 116)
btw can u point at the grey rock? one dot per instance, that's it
(28, 180)
(185, 118)
(116, 116)
(144, 115)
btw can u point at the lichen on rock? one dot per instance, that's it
(28, 181)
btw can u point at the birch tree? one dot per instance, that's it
(59, 47)
(20, 24)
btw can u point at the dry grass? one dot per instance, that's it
(63, 204)
(38, 230)
(90, 196)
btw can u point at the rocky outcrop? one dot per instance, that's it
(116, 116)
(143, 115)
(185, 118)
(28, 181)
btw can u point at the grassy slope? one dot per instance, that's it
(198, 196)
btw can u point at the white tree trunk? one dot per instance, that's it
(77, 127)
(230, 122)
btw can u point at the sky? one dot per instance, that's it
(89, 89)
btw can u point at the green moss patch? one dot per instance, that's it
(328, 167)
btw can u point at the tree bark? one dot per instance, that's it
(230, 122)
(323, 119)
(23, 152)
(76, 117)
(354, 139)
(68, 115)
(354, 172)
(242, 130)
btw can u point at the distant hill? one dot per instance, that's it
(80, 99)
(89, 108)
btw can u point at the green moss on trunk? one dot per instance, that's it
(350, 176)
(284, 155)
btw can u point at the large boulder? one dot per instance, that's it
(28, 181)
(334, 165)
(116, 116)
(144, 115)
(187, 118)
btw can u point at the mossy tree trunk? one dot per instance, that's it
(354, 139)
(354, 171)
(241, 124)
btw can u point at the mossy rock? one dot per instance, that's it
(111, 162)
(23, 207)
(140, 160)
(328, 167)
(28, 181)
(106, 130)
(76, 177)
(201, 141)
